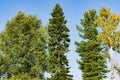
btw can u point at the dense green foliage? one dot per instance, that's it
(92, 62)
(23, 47)
(58, 45)
(28, 50)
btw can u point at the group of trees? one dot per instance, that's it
(98, 46)
(28, 50)
(23, 47)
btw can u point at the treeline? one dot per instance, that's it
(28, 50)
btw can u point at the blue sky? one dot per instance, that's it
(73, 10)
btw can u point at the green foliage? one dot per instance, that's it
(22, 77)
(58, 45)
(118, 69)
(92, 62)
(2, 62)
(23, 45)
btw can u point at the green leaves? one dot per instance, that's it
(27, 49)
(118, 69)
(23, 44)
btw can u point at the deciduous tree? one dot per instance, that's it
(109, 35)
(23, 46)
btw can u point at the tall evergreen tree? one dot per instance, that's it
(23, 45)
(92, 62)
(58, 45)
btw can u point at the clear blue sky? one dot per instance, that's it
(73, 10)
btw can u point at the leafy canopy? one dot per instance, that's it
(108, 23)
(23, 45)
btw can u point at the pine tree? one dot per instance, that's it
(58, 45)
(23, 45)
(109, 36)
(92, 62)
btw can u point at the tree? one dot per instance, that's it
(92, 62)
(109, 36)
(58, 45)
(23, 44)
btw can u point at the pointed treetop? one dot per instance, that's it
(57, 10)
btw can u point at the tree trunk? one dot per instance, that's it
(112, 63)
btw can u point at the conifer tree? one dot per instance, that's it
(92, 62)
(109, 36)
(23, 45)
(58, 46)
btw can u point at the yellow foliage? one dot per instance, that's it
(108, 23)
(117, 35)
(103, 39)
(112, 41)
(105, 12)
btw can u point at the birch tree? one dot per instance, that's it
(109, 36)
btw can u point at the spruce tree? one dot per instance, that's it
(23, 46)
(92, 62)
(58, 46)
